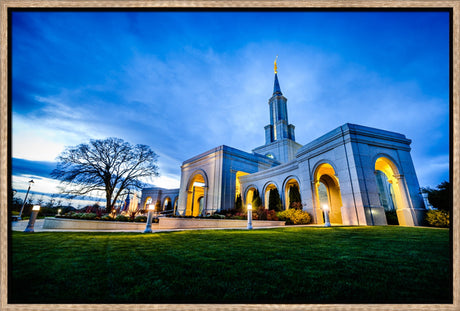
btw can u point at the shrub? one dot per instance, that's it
(392, 218)
(88, 216)
(296, 205)
(155, 220)
(437, 218)
(122, 218)
(76, 215)
(140, 219)
(295, 217)
(264, 214)
(106, 217)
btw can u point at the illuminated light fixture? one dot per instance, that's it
(249, 216)
(148, 226)
(33, 217)
(326, 215)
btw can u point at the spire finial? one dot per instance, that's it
(276, 65)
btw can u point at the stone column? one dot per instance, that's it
(318, 213)
(205, 200)
(193, 200)
(405, 215)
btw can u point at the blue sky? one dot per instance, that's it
(186, 82)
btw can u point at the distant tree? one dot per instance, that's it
(40, 200)
(440, 197)
(274, 200)
(16, 202)
(52, 201)
(110, 165)
(30, 199)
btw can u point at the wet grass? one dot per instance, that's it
(285, 265)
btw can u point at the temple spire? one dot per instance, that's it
(276, 88)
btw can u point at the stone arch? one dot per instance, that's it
(322, 162)
(327, 192)
(166, 200)
(197, 187)
(266, 191)
(148, 200)
(397, 193)
(238, 188)
(176, 201)
(198, 172)
(288, 182)
(249, 194)
(390, 160)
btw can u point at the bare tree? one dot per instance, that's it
(110, 165)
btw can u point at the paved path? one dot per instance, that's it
(38, 227)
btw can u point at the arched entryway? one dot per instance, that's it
(175, 205)
(167, 204)
(272, 199)
(327, 190)
(238, 189)
(292, 194)
(252, 197)
(196, 195)
(393, 197)
(239, 195)
(147, 202)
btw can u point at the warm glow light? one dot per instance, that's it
(325, 207)
(36, 208)
(59, 211)
(151, 207)
(249, 207)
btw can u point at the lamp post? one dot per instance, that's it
(25, 199)
(148, 227)
(33, 217)
(249, 216)
(326, 215)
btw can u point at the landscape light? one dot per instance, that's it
(33, 217)
(249, 216)
(148, 226)
(326, 215)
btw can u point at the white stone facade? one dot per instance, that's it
(336, 171)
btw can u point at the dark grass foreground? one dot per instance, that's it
(286, 265)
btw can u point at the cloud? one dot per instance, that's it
(27, 167)
(186, 83)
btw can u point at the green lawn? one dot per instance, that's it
(285, 265)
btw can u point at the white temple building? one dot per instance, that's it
(357, 172)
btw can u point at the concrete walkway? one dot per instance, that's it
(38, 227)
